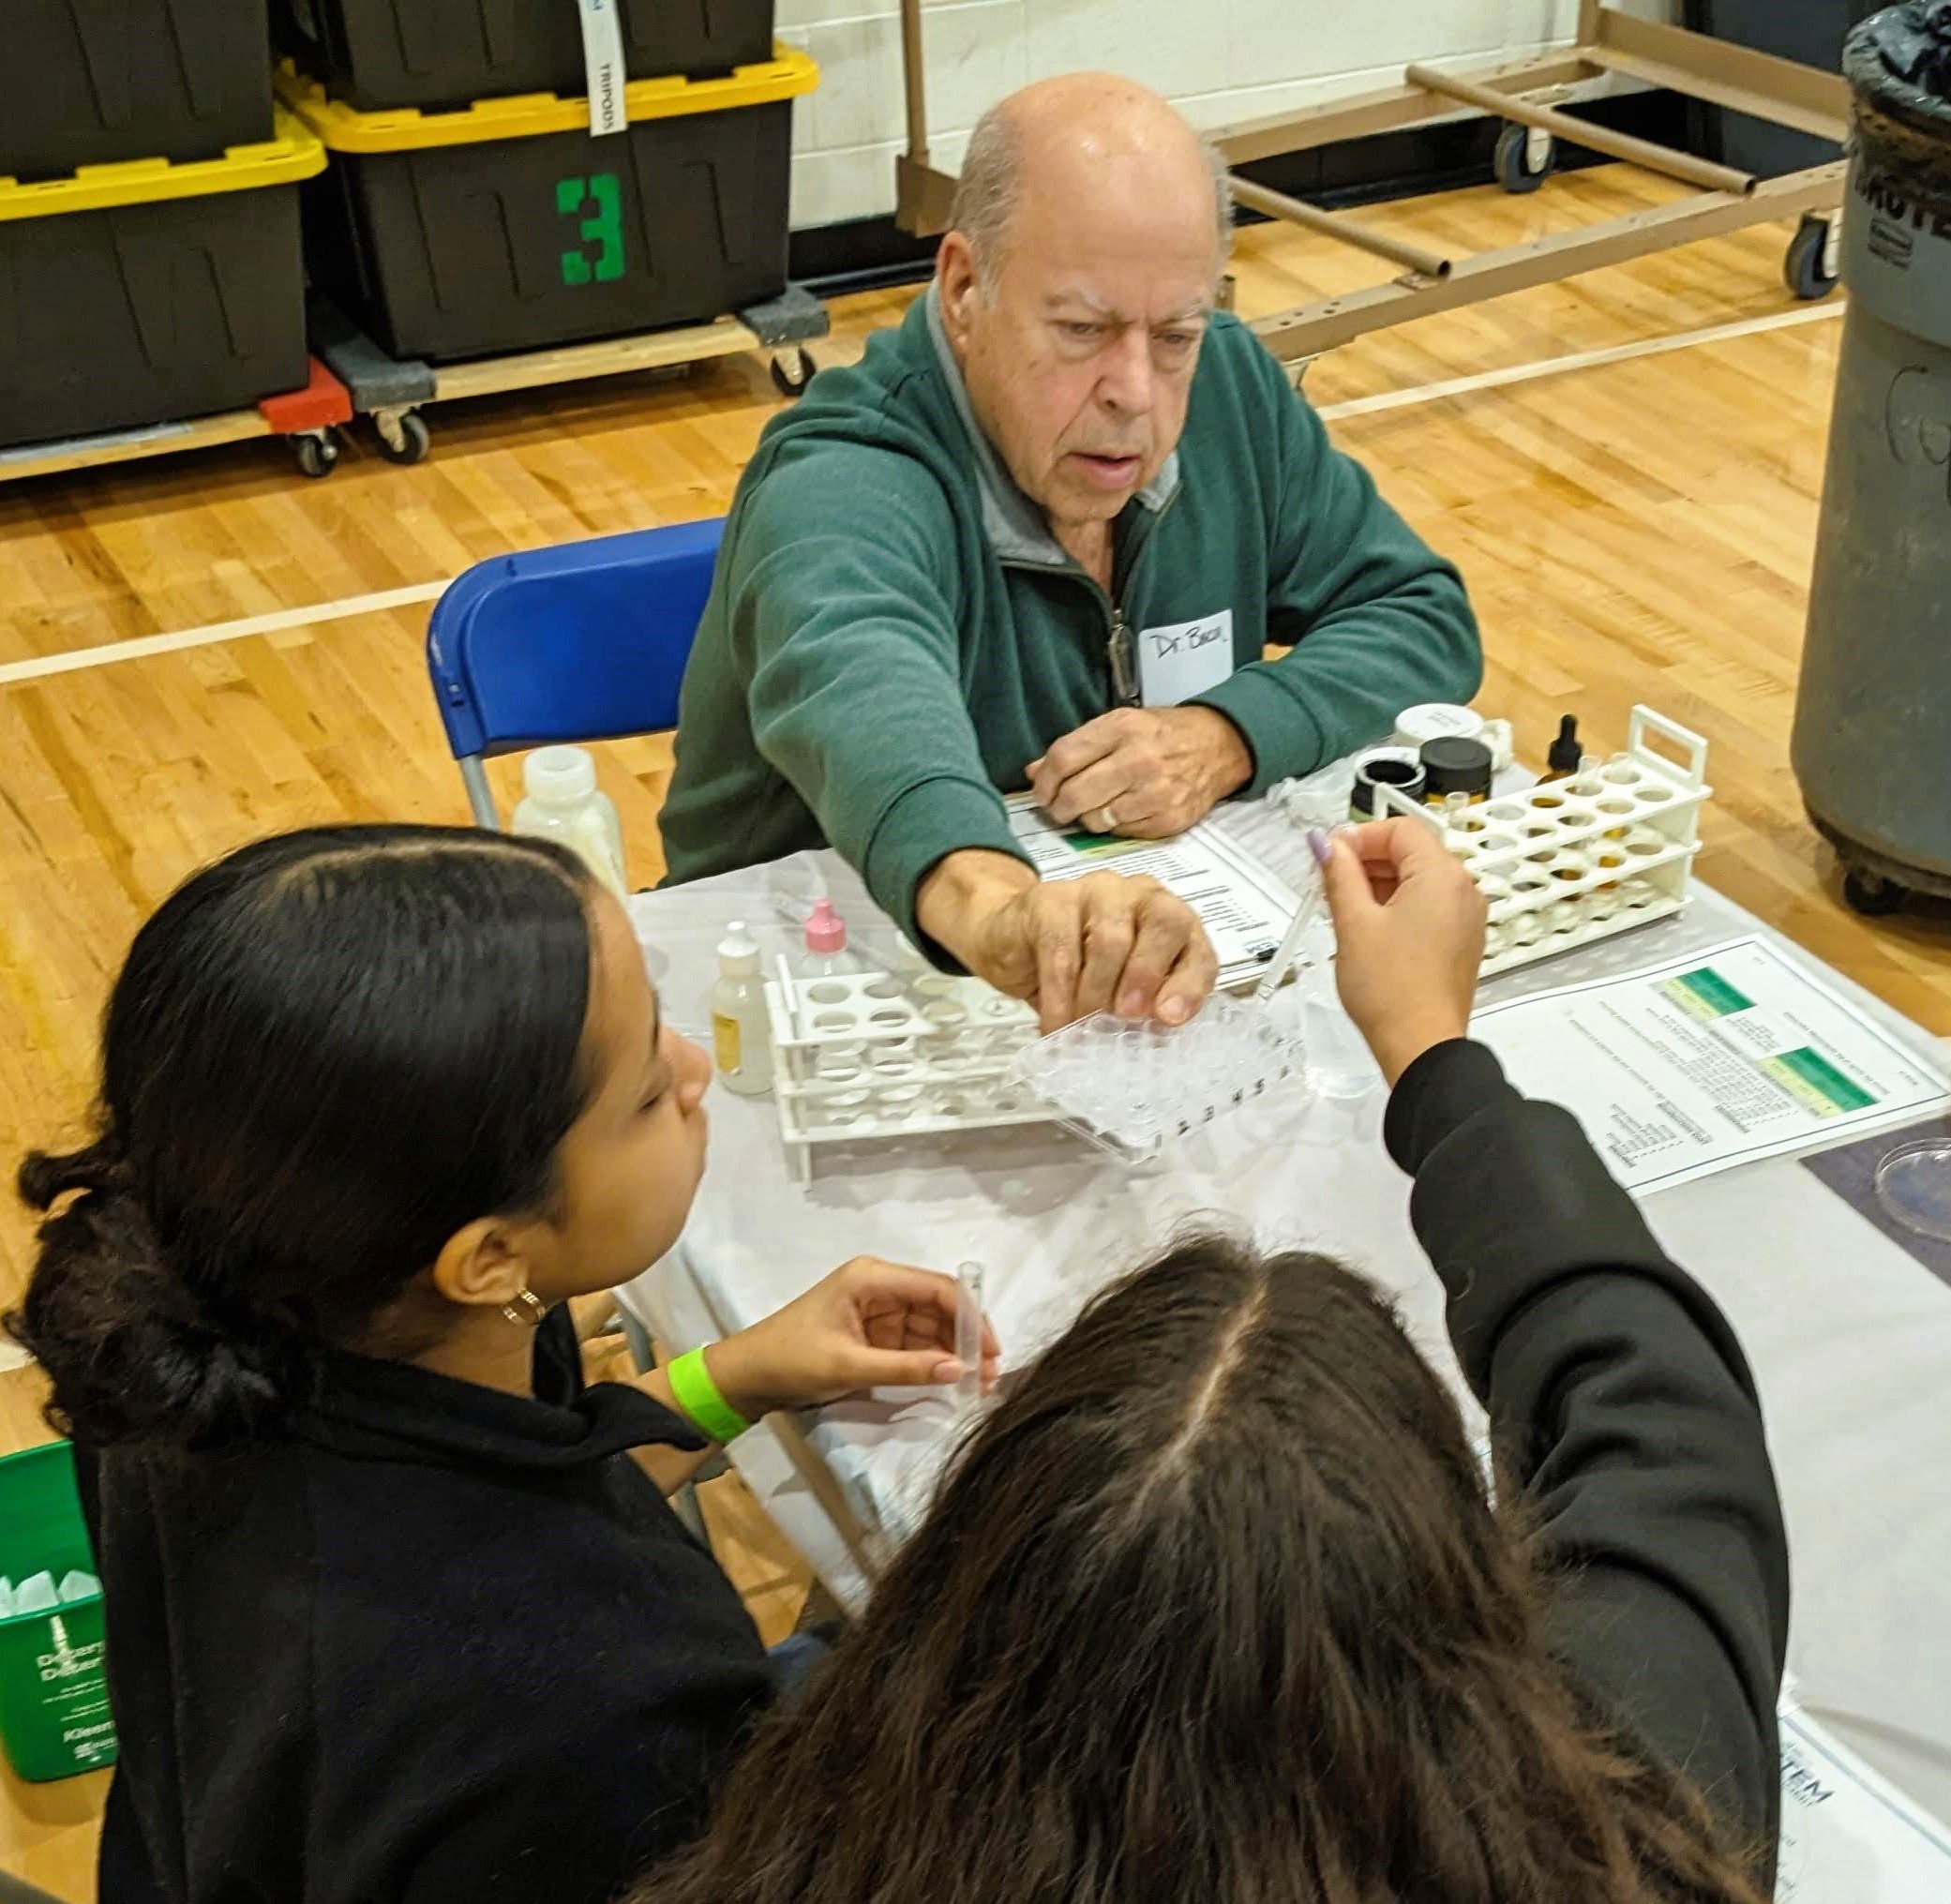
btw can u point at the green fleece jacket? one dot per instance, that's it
(893, 635)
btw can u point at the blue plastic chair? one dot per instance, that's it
(586, 641)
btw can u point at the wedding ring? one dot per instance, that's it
(1108, 820)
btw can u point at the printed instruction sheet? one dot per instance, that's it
(1696, 1065)
(1848, 1835)
(1246, 910)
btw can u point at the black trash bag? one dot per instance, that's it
(1913, 43)
(1899, 66)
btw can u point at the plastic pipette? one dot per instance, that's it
(1305, 914)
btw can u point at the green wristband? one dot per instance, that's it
(697, 1395)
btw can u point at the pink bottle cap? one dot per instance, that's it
(826, 931)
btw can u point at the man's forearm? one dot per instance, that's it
(962, 889)
(1342, 685)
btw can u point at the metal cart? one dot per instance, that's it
(1527, 96)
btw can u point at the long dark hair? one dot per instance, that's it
(325, 1054)
(1212, 1610)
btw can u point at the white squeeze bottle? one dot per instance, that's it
(565, 804)
(739, 1040)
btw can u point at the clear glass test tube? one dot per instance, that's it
(968, 1334)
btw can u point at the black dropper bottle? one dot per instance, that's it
(1566, 753)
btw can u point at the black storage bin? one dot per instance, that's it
(491, 232)
(153, 300)
(379, 53)
(1810, 31)
(95, 81)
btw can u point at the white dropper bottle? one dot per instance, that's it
(740, 1038)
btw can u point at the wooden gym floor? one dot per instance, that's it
(199, 649)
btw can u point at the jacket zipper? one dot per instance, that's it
(1121, 642)
(1117, 648)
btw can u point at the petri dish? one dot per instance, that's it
(1913, 1185)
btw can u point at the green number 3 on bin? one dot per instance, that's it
(603, 228)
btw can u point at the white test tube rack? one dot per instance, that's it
(868, 1055)
(1571, 861)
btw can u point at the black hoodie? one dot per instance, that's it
(1624, 1408)
(437, 1643)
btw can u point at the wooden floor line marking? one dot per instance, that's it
(40, 667)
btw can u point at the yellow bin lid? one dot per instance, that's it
(522, 115)
(292, 155)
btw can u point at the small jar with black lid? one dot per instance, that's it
(1454, 764)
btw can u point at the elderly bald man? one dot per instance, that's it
(1042, 536)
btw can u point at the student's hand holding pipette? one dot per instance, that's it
(869, 1325)
(1409, 924)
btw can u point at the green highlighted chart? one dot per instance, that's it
(1804, 1073)
(1813, 1078)
(1708, 994)
(1701, 1063)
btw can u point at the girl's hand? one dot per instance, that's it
(1408, 924)
(869, 1325)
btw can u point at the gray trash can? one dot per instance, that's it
(1872, 740)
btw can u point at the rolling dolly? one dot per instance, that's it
(395, 392)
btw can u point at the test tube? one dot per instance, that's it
(968, 1334)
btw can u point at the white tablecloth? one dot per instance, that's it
(1851, 1337)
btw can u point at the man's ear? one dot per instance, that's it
(483, 1265)
(955, 273)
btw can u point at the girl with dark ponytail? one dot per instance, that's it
(397, 1609)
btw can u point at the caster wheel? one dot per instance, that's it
(1518, 169)
(1874, 898)
(416, 440)
(318, 455)
(793, 370)
(1805, 268)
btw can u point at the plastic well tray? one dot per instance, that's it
(1134, 1089)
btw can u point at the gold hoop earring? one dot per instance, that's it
(530, 1314)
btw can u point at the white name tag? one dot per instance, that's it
(1186, 659)
(603, 60)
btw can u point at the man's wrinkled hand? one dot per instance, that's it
(1107, 942)
(1146, 772)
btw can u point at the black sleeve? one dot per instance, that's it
(1621, 1403)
